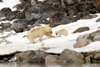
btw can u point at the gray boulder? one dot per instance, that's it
(81, 43)
(69, 56)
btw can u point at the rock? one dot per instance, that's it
(5, 11)
(1, 31)
(20, 15)
(82, 15)
(34, 60)
(23, 55)
(97, 37)
(25, 1)
(85, 36)
(81, 43)
(10, 16)
(72, 10)
(5, 25)
(88, 59)
(51, 59)
(98, 20)
(1, 1)
(97, 56)
(81, 29)
(2, 14)
(68, 56)
(72, 2)
(39, 12)
(8, 29)
(33, 2)
(53, 3)
(20, 25)
(82, 7)
(36, 16)
(87, 17)
(59, 18)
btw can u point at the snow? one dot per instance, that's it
(9, 3)
(54, 45)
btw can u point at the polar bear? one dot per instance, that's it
(39, 32)
(63, 32)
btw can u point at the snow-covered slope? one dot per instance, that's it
(57, 44)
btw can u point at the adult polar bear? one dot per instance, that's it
(39, 32)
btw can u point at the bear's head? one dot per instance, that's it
(48, 30)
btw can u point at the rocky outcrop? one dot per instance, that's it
(84, 40)
(70, 57)
(59, 18)
(39, 12)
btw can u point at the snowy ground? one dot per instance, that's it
(56, 45)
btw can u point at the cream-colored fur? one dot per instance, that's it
(63, 32)
(39, 32)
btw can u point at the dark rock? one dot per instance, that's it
(34, 60)
(20, 25)
(28, 22)
(5, 11)
(81, 29)
(97, 5)
(25, 1)
(72, 10)
(59, 18)
(53, 3)
(5, 26)
(98, 20)
(2, 14)
(20, 15)
(39, 11)
(19, 7)
(81, 15)
(1, 1)
(71, 2)
(71, 57)
(82, 7)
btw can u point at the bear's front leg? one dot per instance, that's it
(49, 35)
(40, 37)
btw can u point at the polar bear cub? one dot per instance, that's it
(63, 32)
